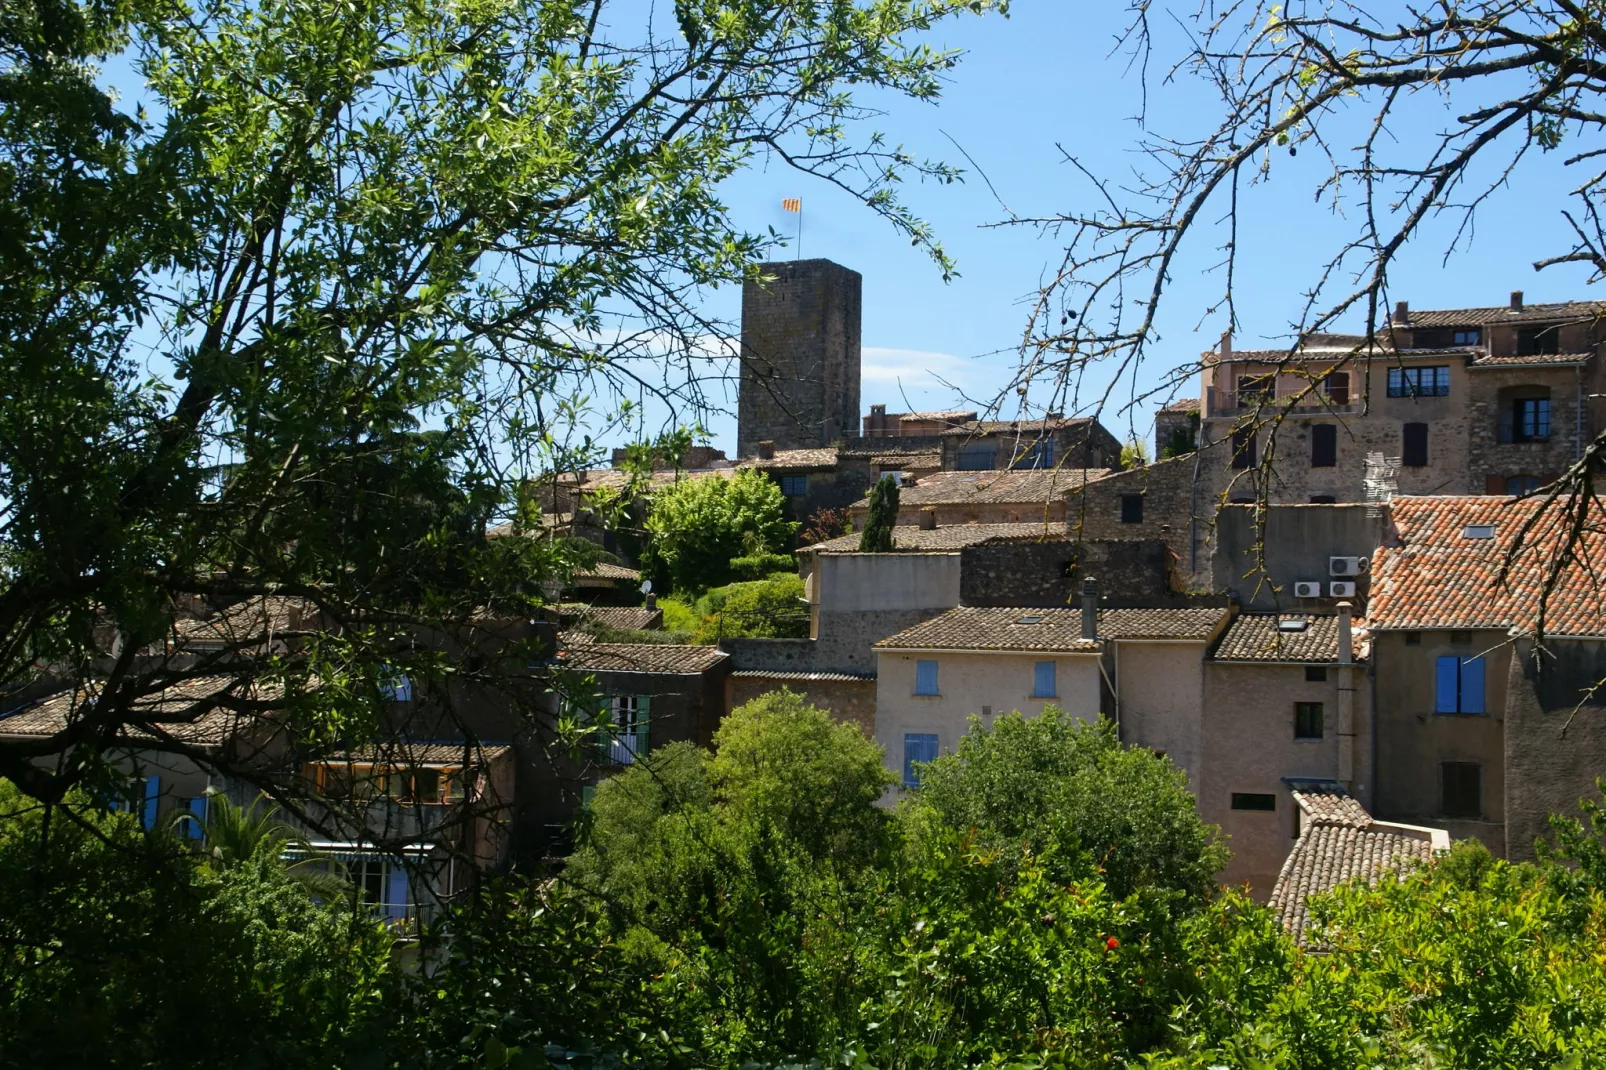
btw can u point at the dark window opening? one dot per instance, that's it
(1430, 382)
(1530, 420)
(1254, 388)
(1307, 720)
(1244, 453)
(1336, 387)
(795, 486)
(1316, 673)
(1413, 638)
(1537, 341)
(1414, 446)
(1461, 792)
(1461, 638)
(978, 457)
(1517, 486)
(1244, 800)
(1323, 446)
(1467, 338)
(1131, 508)
(1323, 499)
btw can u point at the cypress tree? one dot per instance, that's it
(877, 535)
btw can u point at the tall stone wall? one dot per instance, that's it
(1049, 574)
(1552, 755)
(799, 356)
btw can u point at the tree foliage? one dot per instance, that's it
(695, 527)
(883, 517)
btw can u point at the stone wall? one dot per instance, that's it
(1552, 756)
(1299, 540)
(1167, 491)
(850, 701)
(799, 356)
(1490, 460)
(1050, 573)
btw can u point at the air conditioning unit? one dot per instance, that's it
(1342, 588)
(1347, 566)
(1307, 589)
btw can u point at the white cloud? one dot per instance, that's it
(913, 369)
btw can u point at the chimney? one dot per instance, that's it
(1516, 300)
(1226, 345)
(1346, 638)
(1402, 312)
(1090, 608)
(652, 601)
(928, 520)
(766, 449)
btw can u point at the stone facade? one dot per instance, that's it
(1552, 755)
(994, 445)
(1166, 506)
(799, 356)
(1051, 573)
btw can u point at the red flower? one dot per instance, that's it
(1111, 944)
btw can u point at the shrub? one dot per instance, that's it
(767, 609)
(696, 526)
(762, 566)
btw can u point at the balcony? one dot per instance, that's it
(1230, 405)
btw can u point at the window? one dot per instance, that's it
(925, 678)
(1530, 420)
(1039, 454)
(977, 457)
(1256, 388)
(1316, 674)
(1243, 800)
(1458, 685)
(1043, 682)
(1413, 638)
(1324, 445)
(1478, 531)
(1467, 338)
(1414, 446)
(795, 486)
(1243, 448)
(1517, 486)
(1461, 789)
(1131, 508)
(1431, 382)
(1323, 499)
(1307, 720)
(1336, 387)
(917, 747)
(627, 731)
(1534, 341)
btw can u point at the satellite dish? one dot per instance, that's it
(646, 587)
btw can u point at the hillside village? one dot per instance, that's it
(1324, 646)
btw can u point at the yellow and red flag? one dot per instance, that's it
(792, 204)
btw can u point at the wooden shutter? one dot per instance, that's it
(1414, 445)
(1446, 682)
(1324, 445)
(1043, 680)
(643, 722)
(153, 795)
(1472, 685)
(1494, 484)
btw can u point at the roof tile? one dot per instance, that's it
(1257, 637)
(993, 628)
(578, 653)
(914, 539)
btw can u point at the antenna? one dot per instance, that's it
(1381, 481)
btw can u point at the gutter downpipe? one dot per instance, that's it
(1346, 696)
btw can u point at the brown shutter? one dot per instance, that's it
(1494, 484)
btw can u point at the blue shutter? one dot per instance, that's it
(1472, 685)
(925, 677)
(195, 827)
(917, 747)
(1043, 680)
(396, 892)
(1447, 683)
(153, 791)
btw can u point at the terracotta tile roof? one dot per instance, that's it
(1431, 575)
(253, 621)
(604, 570)
(185, 712)
(911, 538)
(1257, 637)
(951, 414)
(432, 752)
(907, 460)
(1168, 622)
(578, 653)
(1011, 427)
(791, 674)
(625, 618)
(1532, 360)
(1339, 842)
(1182, 405)
(794, 460)
(1030, 487)
(1457, 317)
(977, 628)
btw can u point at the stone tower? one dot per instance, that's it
(800, 357)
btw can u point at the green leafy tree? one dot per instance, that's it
(877, 535)
(767, 609)
(293, 297)
(696, 526)
(1056, 779)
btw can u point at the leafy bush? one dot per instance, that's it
(762, 566)
(697, 526)
(767, 609)
(825, 524)
(678, 616)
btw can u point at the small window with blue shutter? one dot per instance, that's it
(1043, 682)
(195, 822)
(1458, 685)
(925, 677)
(918, 747)
(153, 795)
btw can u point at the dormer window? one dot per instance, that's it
(1538, 341)
(1470, 337)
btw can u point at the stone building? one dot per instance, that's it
(949, 498)
(1054, 442)
(1457, 401)
(799, 356)
(879, 423)
(1475, 731)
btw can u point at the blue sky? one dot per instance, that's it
(1047, 76)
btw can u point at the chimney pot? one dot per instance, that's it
(1516, 300)
(1402, 312)
(1346, 637)
(1090, 609)
(766, 450)
(652, 601)
(1226, 345)
(928, 519)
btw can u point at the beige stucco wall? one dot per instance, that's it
(1161, 700)
(1249, 746)
(968, 682)
(849, 583)
(1413, 740)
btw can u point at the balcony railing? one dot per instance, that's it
(1228, 403)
